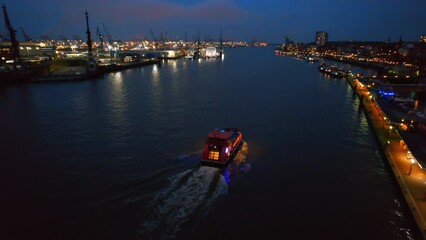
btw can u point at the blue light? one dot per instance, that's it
(384, 93)
(227, 175)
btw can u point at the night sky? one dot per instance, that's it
(267, 20)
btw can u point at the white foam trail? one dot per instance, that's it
(188, 193)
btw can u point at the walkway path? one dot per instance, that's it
(410, 176)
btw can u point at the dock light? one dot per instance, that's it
(410, 156)
(390, 131)
(411, 166)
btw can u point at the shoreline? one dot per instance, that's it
(409, 176)
(19, 78)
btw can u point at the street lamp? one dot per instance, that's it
(390, 130)
(411, 166)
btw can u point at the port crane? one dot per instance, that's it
(221, 43)
(101, 37)
(253, 43)
(153, 36)
(91, 69)
(161, 37)
(45, 37)
(198, 38)
(107, 33)
(12, 33)
(26, 37)
(221, 38)
(76, 37)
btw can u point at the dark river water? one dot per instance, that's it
(118, 157)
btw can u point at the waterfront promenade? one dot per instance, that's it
(408, 173)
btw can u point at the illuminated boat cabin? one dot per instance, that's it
(220, 146)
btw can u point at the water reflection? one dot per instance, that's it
(118, 107)
(174, 66)
(155, 74)
(238, 165)
(156, 93)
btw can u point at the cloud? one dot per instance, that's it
(209, 10)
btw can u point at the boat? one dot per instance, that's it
(311, 59)
(188, 56)
(220, 146)
(333, 71)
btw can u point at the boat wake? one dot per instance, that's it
(186, 199)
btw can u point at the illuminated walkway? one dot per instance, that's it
(410, 176)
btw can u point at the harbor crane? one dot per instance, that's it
(101, 37)
(107, 33)
(91, 69)
(221, 38)
(45, 37)
(76, 37)
(161, 37)
(26, 37)
(153, 36)
(221, 43)
(12, 33)
(198, 38)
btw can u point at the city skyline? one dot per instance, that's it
(267, 21)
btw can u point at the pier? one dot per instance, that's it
(408, 172)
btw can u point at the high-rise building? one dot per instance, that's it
(321, 38)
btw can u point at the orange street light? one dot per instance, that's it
(411, 166)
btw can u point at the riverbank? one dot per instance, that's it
(71, 73)
(410, 176)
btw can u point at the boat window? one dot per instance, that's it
(214, 155)
(214, 152)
